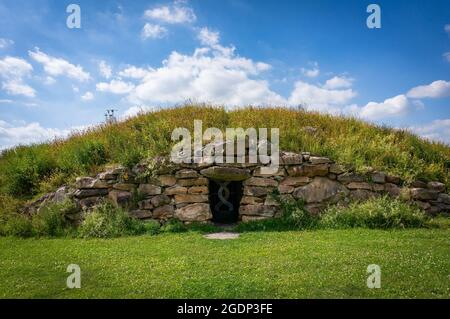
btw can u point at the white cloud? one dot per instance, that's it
(105, 69)
(313, 72)
(447, 28)
(17, 87)
(14, 68)
(436, 89)
(208, 37)
(395, 106)
(171, 14)
(320, 98)
(338, 82)
(134, 72)
(57, 66)
(6, 101)
(135, 110)
(153, 31)
(115, 87)
(438, 130)
(88, 96)
(11, 135)
(213, 75)
(75, 89)
(446, 55)
(4, 43)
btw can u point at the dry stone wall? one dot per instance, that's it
(162, 190)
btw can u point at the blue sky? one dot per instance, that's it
(132, 55)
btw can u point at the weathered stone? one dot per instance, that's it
(175, 190)
(160, 200)
(63, 193)
(89, 182)
(423, 205)
(251, 200)
(436, 186)
(83, 193)
(419, 184)
(379, 177)
(193, 182)
(332, 176)
(259, 181)
(285, 189)
(393, 179)
(314, 209)
(295, 181)
(109, 175)
(186, 173)
(164, 212)
(140, 214)
(258, 210)
(321, 189)
(362, 194)
(319, 160)
(434, 210)
(359, 185)
(256, 191)
(226, 173)
(246, 218)
(308, 170)
(120, 198)
(444, 198)
(124, 187)
(350, 177)
(306, 156)
(378, 187)
(423, 194)
(271, 201)
(145, 204)
(198, 190)
(149, 189)
(288, 158)
(190, 198)
(90, 202)
(167, 180)
(280, 172)
(194, 212)
(392, 189)
(337, 169)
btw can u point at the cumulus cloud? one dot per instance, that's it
(135, 110)
(436, 89)
(88, 96)
(105, 69)
(208, 37)
(438, 130)
(395, 106)
(57, 66)
(115, 87)
(4, 43)
(134, 72)
(338, 82)
(12, 71)
(23, 133)
(172, 14)
(214, 75)
(153, 31)
(315, 97)
(313, 71)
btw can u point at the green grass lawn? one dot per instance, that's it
(302, 264)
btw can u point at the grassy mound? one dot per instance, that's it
(26, 171)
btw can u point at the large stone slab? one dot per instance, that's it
(120, 198)
(174, 190)
(193, 182)
(198, 212)
(149, 189)
(190, 198)
(321, 189)
(226, 173)
(163, 212)
(295, 181)
(259, 181)
(90, 182)
(308, 170)
(258, 210)
(83, 193)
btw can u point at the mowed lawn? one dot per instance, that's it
(308, 264)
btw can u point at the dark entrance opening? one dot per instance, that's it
(224, 198)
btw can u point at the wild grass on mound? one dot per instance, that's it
(29, 170)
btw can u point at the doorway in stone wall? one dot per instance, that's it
(224, 199)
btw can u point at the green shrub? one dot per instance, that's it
(174, 226)
(108, 221)
(383, 212)
(203, 227)
(152, 227)
(18, 226)
(51, 219)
